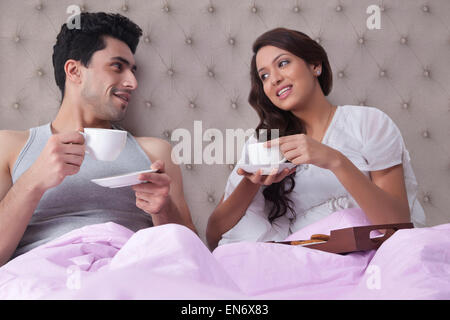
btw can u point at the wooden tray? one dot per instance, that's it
(353, 239)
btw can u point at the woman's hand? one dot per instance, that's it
(266, 180)
(301, 149)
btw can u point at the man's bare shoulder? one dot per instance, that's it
(155, 147)
(14, 134)
(13, 137)
(12, 141)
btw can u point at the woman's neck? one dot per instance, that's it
(315, 114)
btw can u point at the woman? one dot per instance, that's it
(347, 156)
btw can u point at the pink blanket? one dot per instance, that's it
(108, 261)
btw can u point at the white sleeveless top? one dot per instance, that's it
(368, 138)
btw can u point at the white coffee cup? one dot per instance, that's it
(104, 144)
(258, 154)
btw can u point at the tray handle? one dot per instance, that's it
(362, 234)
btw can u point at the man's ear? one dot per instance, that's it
(73, 71)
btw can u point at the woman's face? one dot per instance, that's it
(288, 81)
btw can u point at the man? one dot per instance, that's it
(45, 186)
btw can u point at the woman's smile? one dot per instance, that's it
(284, 91)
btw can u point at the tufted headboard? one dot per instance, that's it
(194, 61)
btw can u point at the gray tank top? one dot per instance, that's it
(77, 201)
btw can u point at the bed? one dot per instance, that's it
(108, 261)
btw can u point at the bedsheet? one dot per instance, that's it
(108, 261)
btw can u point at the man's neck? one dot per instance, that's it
(72, 116)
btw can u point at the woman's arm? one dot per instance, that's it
(228, 213)
(384, 199)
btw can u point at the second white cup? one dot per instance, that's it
(104, 144)
(260, 155)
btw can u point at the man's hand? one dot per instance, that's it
(62, 156)
(153, 196)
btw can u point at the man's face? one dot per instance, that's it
(109, 80)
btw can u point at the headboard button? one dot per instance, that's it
(166, 133)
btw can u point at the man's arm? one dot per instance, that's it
(62, 156)
(17, 202)
(176, 209)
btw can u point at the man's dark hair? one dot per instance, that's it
(81, 44)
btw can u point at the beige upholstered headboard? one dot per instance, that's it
(194, 63)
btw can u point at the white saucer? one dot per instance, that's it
(266, 169)
(123, 180)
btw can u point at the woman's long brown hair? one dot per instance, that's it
(272, 117)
